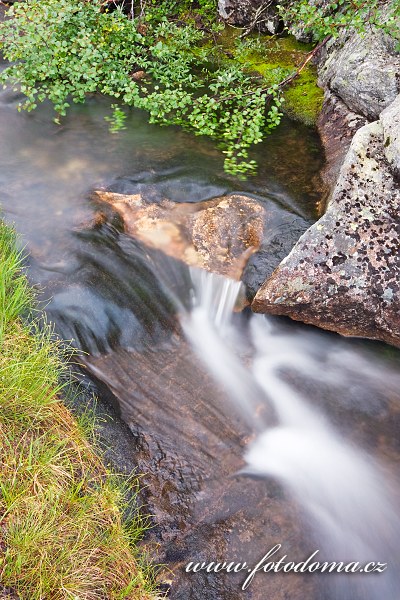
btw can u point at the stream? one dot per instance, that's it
(250, 431)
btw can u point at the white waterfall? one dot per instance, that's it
(340, 488)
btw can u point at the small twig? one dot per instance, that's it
(260, 10)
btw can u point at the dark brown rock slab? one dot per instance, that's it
(337, 125)
(188, 441)
(344, 273)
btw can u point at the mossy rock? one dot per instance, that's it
(303, 99)
(276, 58)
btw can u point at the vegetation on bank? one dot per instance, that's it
(61, 531)
(330, 17)
(165, 57)
(302, 100)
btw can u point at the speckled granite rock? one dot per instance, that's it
(344, 272)
(360, 76)
(390, 119)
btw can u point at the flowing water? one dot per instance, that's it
(250, 431)
(342, 488)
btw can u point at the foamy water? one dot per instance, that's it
(342, 490)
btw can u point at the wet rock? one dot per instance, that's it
(362, 71)
(218, 235)
(337, 126)
(188, 441)
(281, 231)
(344, 272)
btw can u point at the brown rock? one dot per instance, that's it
(218, 235)
(336, 125)
(188, 441)
(138, 75)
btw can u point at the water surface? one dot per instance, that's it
(116, 300)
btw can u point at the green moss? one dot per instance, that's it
(303, 99)
(276, 58)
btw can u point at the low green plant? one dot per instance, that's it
(201, 10)
(164, 60)
(15, 295)
(323, 18)
(117, 119)
(62, 50)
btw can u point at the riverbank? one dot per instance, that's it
(343, 272)
(62, 534)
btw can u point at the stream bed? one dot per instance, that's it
(310, 419)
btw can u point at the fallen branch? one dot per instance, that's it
(309, 57)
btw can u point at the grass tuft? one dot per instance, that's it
(62, 535)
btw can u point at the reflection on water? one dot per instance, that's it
(47, 173)
(117, 301)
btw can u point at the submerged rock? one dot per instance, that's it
(281, 232)
(218, 235)
(344, 272)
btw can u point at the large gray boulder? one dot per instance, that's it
(360, 75)
(363, 71)
(390, 119)
(344, 272)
